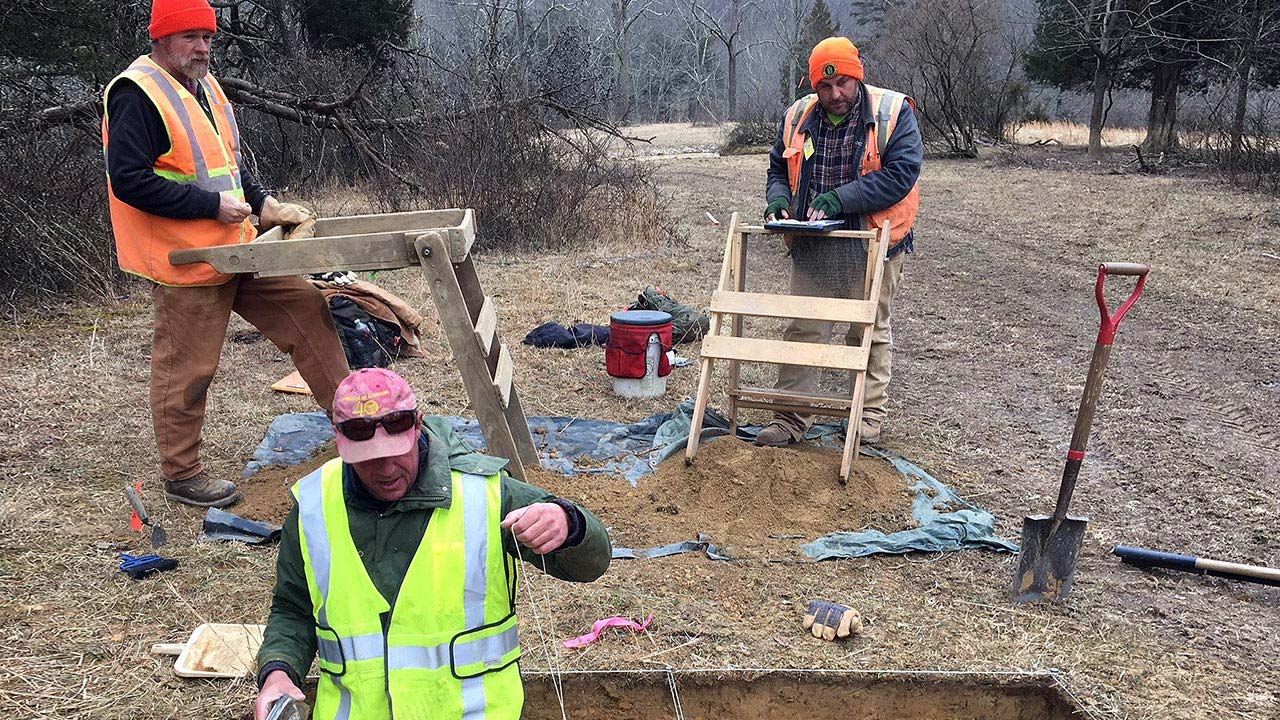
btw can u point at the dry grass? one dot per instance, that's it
(1130, 644)
(673, 139)
(1075, 134)
(1071, 134)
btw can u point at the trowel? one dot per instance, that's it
(1051, 543)
(159, 538)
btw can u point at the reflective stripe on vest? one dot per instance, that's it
(472, 662)
(224, 179)
(204, 150)
(886, 105)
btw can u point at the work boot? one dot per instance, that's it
(774, 435)
(869, 430)
(202, 491)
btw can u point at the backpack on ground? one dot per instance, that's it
(366, 340)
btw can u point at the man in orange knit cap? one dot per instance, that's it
(850, 151)
(175, 180)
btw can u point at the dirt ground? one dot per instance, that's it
(993, 325)
(753, 502)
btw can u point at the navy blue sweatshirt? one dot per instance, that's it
(873, 192)
(137, 137)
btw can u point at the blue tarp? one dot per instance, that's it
(632, 451)
(702, 544)
(946, 523)
(291, 440)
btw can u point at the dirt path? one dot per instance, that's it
(994, 328)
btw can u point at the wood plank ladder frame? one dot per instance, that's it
(732, 301)
(440, 242)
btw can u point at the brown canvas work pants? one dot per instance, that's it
(191, 324)
(837, 269)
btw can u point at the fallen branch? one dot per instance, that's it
(1143, 165)
(86, 114)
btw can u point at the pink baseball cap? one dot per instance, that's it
(370, 394)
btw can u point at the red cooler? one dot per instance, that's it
(636, 355)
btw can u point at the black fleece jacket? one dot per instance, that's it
(136, 137)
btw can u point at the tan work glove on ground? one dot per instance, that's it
(828, 620)
(276, 213)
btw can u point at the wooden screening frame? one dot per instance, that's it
(440, 242)
(731, 302)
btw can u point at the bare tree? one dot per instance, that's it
(1255, 41)
(728, 27)
(958, 60)
(791, 35)
(623, 14)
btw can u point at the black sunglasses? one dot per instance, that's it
(363, 428)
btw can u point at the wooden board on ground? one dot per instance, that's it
(215, 650)
(292, 383)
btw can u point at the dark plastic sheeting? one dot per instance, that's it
(632, 450)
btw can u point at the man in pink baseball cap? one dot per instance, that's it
(374, 398)
(411, 531)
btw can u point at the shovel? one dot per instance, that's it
(1051, 543)
(159, 538)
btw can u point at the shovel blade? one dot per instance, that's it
(159, 538)
(1047, 560)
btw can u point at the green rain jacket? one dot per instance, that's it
(388, 536)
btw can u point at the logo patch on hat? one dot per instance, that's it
(365, 405)
(828, 70)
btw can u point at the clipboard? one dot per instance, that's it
(792, 225)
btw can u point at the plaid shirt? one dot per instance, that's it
(838, 150)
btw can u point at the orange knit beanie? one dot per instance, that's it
(834, 56)
(174, 16)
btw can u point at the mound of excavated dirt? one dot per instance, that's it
(752, 500)
(744, 497)
(266, 494)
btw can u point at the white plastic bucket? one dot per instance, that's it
(650, 385)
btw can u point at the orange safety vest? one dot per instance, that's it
(886, 104)
(205, 154)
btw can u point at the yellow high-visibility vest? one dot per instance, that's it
(449, 651)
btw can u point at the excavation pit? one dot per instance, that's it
(796, 695)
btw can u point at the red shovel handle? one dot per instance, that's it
(1093, 384)
(1110, 323)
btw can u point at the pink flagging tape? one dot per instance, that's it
(602, 625)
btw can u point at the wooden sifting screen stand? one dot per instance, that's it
(731, 301)
(438, 240)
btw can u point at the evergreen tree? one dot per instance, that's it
(71, 38)
(816, 27)
(1173, 44)
(1079, 42)
(355, 24)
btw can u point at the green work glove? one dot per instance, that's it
(777, 206)
(828, 203)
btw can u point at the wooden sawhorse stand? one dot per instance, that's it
(729, 299)
(438, 240)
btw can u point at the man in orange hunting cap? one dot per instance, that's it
(850, 151)
(175, 180)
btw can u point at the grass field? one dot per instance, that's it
(993, 329)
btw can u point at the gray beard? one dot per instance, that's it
(191, 74)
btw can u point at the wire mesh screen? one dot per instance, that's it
(814, 266)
